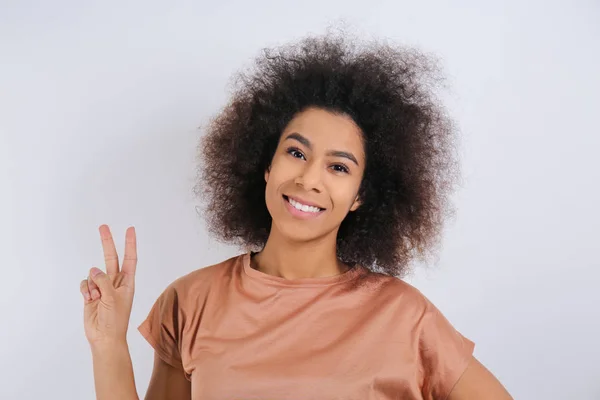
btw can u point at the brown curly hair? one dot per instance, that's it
(409, 145)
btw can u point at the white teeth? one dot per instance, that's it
(303, 207)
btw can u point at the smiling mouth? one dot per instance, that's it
(303, 207)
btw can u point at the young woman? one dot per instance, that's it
(332, 165)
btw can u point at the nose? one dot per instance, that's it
(310, 177)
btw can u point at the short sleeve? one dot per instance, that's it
(163, 326)
(445, 354)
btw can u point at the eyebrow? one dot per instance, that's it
(335, 153)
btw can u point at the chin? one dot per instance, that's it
(299, 231)
(296, 234)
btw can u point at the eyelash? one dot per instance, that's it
(293, 150)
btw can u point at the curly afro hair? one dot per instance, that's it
(409, 145)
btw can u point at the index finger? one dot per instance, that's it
(130, 258)
(111, 258)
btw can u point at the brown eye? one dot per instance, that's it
(340, 168)
(295, 153)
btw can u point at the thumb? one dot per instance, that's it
(103, 282)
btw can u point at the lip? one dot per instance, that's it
(301, 200)
(299, 213)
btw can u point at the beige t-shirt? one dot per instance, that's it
(238, 333)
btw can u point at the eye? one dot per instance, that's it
(295, 153)
(340, 168)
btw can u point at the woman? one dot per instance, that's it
(332, 165)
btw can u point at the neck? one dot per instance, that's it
(296, 260)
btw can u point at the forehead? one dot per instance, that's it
(327, 131)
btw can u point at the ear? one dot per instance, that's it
(267, 171)
(357, 203)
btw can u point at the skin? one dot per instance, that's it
(477, 382)
(319, 159)
(108, 297)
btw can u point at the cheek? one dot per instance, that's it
(271, 187)
(282, 170)
(343, 196)
(276, 177)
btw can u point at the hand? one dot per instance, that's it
(108, 297)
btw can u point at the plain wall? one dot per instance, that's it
(99, 109)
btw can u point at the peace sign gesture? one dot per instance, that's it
(108, 297)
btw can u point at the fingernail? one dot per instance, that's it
(96, 271)
(87, 296)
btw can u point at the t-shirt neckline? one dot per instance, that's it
(352, 273)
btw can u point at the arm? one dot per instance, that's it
(108, 298)
(477, 382)
(113, 373)
(167, 382)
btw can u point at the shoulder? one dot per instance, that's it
(201, 279)
(395, 290)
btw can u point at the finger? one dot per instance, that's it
(83, 288)
(104, 283)
(93, 289)
(130, 258)
(111, 258)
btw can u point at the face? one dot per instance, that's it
(315, 175)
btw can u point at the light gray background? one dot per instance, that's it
(99, 105)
